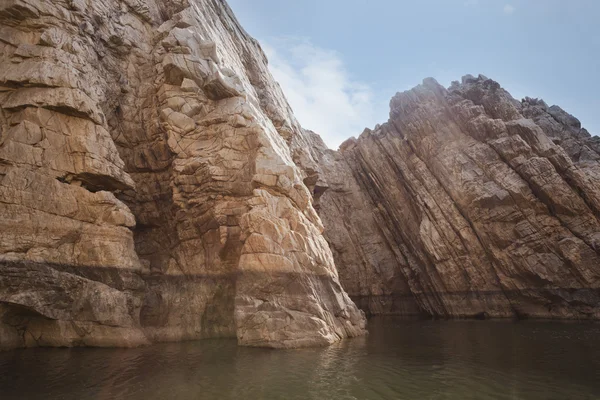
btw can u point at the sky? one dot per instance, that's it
(340, 61)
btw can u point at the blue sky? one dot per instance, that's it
(340, 61)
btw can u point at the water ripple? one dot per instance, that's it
(400, 359)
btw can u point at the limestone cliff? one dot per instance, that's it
(147, 190)
(155, 186)
(465, 203)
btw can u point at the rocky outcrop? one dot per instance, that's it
(147, 189)
(155, 186)
(466, 203)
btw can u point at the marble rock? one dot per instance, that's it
(465, 203)
(147, 191)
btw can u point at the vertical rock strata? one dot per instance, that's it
(147, 190)
(466, 203)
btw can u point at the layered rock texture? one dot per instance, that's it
(147, 188)
(466, 203)
(155, 186)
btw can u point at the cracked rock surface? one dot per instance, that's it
(147, 188)
(156, 186)
(466, 203)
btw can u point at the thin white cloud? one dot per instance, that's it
(323, 95)
(509, 9)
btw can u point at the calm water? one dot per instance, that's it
(400, 359)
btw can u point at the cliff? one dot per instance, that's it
(156, 186)
(466, 203)
(147, 191)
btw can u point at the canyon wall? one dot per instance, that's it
(147, 189)
(466, 203)
(156, 186)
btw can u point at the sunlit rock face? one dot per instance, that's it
(155, 186)
(147, 188)
(466, 203)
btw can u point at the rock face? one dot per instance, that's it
(466, 203)
(155, 186)
(147, 188)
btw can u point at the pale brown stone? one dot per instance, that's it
(146, 193)
(464, 204)
(156, 186)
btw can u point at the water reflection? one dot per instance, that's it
(400, 359)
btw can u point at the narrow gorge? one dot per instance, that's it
(156, 186)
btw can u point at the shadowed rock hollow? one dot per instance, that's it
(155, 186)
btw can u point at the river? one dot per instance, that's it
(399, 359)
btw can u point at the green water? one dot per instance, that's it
(400, 359)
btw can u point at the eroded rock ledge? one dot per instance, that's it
(466, 203)
(147, 190)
